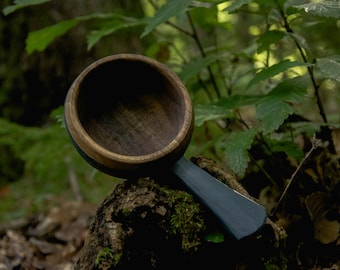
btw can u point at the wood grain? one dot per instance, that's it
(129, 112)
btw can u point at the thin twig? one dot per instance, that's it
(194, 36)
(315, 143)
(200, 47)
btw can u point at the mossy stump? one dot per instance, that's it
(157, 224)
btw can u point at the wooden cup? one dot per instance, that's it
(129, 115)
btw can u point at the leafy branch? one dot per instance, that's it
(310, 69)
(272, 91)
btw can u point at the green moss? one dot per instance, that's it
(276, 263)
(185, 219)
(107, 257)
(126, 212)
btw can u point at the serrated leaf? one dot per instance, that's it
(195, 67)
(273, 109)
(329, 67)
(170, 9)
(236, 149)
(268, 38)
(275, 70)
(19, 4)
(330, 9)
(236, 5)
(290, 90)
(272, 113)
(210, 112)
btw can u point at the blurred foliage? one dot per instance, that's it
(38, 163)
(46, 162)
(263, 76)
(34, 84)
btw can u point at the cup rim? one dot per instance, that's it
(100, 154)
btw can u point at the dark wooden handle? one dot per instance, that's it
(240, 216)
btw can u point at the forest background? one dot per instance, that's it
(263, 76)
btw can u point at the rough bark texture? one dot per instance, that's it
(156, 224)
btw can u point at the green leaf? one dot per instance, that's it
(236, 101)
(268, 38)
(236, 148)
(195, 67)
(272, 113)
(290, 90)
(236, 5)
(223, 108)
(210, 112)
(274, 70)
(111, 27)
(307, 128)
(288, 147)
(330, 9)
(215, 237)
(40, 39)
(205, 17)
(329, 67)
(19, 4)
(170, 9)
(273, 109)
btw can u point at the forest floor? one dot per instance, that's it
(43, 225)
(48, 240)
(52, 237)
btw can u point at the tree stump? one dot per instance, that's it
(149, 223)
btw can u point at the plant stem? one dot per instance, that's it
(326, 131)
(315, 144)
(194, 36)
(200, 47)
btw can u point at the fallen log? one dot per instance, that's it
(148, 223)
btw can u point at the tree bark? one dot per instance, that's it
(155, 223)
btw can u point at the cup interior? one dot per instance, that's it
(130, 107)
